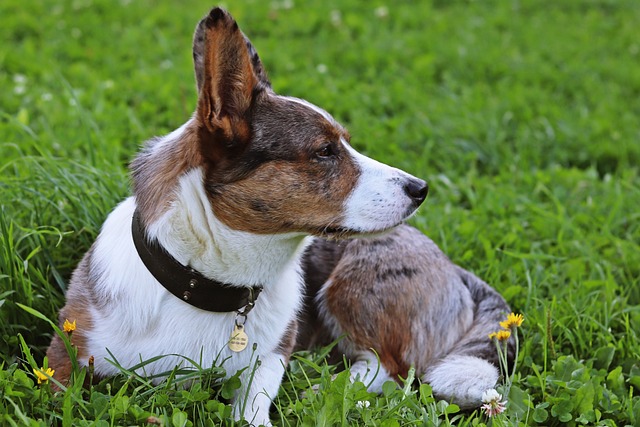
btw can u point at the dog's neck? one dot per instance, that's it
(192, 234)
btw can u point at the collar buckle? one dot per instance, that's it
(243, 313)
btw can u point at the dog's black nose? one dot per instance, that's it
(417, 190)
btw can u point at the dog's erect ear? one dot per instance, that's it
(228, 72)
(257, 64)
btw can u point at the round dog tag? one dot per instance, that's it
(238, 340)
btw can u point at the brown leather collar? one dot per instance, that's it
(186, 283)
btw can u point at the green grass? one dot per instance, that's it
(522, 115)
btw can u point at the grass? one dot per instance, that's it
(522, 115)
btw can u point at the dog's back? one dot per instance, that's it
(401, 297)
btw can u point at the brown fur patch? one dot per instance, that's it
(78, 300)
(288, 341)
(279, 197)
(385, 329)
(156, 171)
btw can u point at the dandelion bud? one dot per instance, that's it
(69, 327)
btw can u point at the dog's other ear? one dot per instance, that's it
(228, 74)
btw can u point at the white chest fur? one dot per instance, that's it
(140, 319)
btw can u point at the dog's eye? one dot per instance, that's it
(326, 151)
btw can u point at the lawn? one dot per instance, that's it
(524, 116)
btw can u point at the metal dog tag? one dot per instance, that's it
(238, 340)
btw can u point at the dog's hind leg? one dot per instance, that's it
(470, 367)
(462, 379)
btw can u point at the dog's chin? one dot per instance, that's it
(339, 232)
(343, 233)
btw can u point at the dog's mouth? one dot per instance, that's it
(335, 233)
(340, 233)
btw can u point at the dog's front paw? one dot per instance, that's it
(259, 418)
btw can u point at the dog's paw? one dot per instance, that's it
(462, 380)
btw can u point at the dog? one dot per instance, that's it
(204, 261)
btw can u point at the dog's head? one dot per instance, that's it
(271, 164)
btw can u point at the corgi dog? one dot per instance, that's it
(204, 262)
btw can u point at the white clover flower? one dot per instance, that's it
(493, 403)
(382, 12)
(361, 404)
(20, 79)
(490, 395)
(336, 18)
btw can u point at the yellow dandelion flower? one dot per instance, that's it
(512, 320)
(500, 335)
(503, 335)
(43, 375)
(69, 327)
